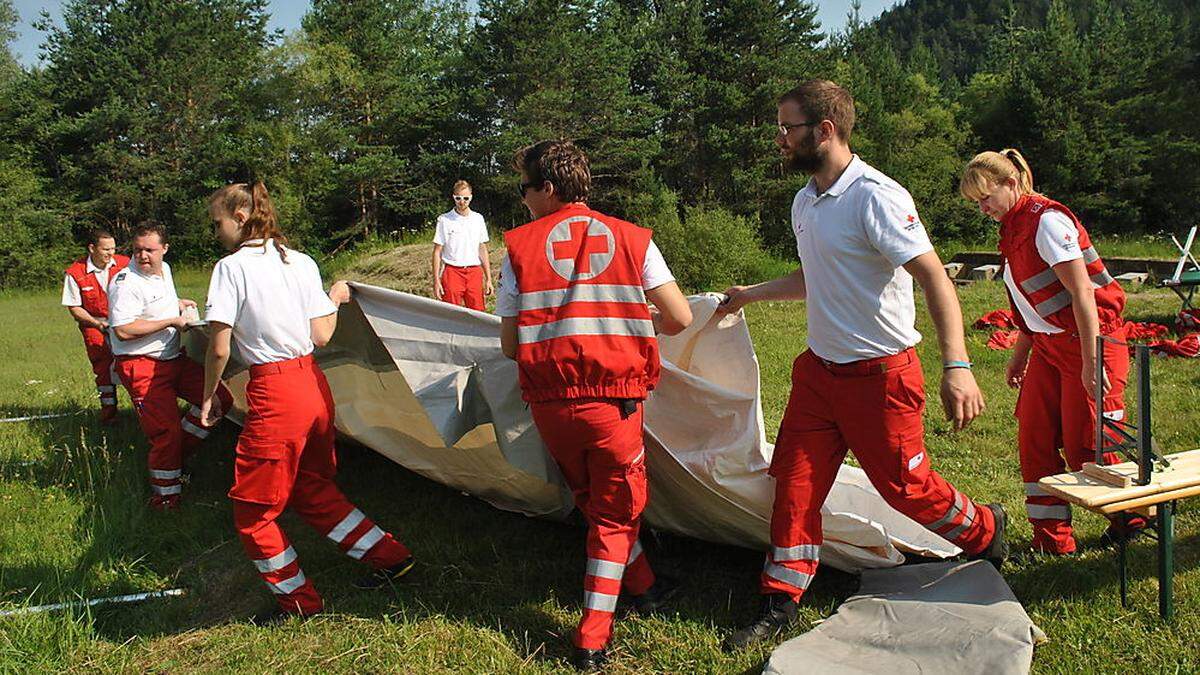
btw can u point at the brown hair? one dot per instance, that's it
(150, 227)
(824, 100)
(98, 233)
(459, 186)
(262, 222)
(561, 163)
(988, 169)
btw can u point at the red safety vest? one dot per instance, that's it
(1038, 283)
(583, 326)
(91, 292)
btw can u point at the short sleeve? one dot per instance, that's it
(893, 226)
(655, 272)
(439, 232)
(71, 296)
(1057, 239)
(125, 301)
(225, 298)
(508, 293)
(483, 232)
(316, 301)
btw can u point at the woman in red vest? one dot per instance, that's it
(85, 295)
(1062, 298)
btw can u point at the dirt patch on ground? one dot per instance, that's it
(406, 268)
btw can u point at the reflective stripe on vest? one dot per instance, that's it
(585, 325)
(581, 293)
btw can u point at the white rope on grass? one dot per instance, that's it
(36, 417)
(136, 597)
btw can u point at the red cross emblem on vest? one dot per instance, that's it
(580, 248)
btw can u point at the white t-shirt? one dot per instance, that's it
(655, 273)
(1057, 242)
(134, 295)
(268, 302)
(460, 237)
(72, 295)
(853, 240)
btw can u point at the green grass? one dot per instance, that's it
(493, 591)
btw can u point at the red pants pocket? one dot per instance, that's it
(260, 473)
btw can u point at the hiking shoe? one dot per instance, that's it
(589, 660)
(108, 415)
(997, 549)
(385, 576)
(1123, 529)
(657, 597)
(777, 613)
(164, 502)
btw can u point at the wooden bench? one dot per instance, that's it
(1114, 490)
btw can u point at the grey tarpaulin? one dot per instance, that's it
(944, 617)
(425, 384)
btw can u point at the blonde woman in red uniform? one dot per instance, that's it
(1062, 298)
(267, 305)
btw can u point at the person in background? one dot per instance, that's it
(85, 295)
(462, 274)
(1062, 298)
(146, 318)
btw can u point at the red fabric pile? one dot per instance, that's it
(1188, 321)
(998, 318)
(1144, 330)
(1187, 346)
(1002, 339)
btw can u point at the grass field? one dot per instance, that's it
(493, 591)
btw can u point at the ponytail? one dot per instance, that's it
(988, 169)
(261, 223)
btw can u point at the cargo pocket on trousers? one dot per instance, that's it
(259, 471)
(914, 462)
(635, 481)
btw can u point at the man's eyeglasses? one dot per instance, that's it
(784, 127)
(524, 187)
(462, 198)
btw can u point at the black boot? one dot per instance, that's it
(385, 576)
(778, 612)
(657, 597)
(588, 660)
(997, 550)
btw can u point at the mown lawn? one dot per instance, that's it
(494, 592)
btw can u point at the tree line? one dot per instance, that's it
(362, 119)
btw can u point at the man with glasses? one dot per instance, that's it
(462, 273)
(859, 385)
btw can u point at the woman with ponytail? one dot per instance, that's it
(1062, 298)
(267, 306)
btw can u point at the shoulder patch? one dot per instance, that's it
(120, 276)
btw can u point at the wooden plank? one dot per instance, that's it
(1150, 500)
(1090, 492)
(1114, 478)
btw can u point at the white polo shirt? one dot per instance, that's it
(1057, 241)
(134, 295)
(853, 240)
(269, 302)
(460, 237)
(72, 295)
(655, 273)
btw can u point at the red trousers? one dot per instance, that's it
(1054, 413)
(154, 387)
(603, 460)
(873, 407)
(104, 367)
(463, 286)
(285, 459)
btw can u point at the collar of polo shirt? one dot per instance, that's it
(91, 266)
(854, 170)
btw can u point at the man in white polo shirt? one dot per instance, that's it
(859, 385)
(462, 273)
(146, 319)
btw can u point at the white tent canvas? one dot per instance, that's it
(425, 384)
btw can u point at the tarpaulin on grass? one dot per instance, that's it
(425, 384)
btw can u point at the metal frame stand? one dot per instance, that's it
(1147, 460)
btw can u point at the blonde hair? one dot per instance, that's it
(460, 186)
(988, 169)
(262, 222)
